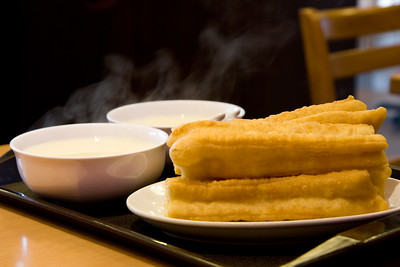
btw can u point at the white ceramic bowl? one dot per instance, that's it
(83, 177)
(166, 114)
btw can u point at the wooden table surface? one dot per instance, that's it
(4, 149)
(27, 240)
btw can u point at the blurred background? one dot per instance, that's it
(81, 58)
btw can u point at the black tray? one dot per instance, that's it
(113, 222)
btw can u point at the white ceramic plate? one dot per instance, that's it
(148, 203)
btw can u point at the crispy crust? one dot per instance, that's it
(233, 153)
(374, 117)
(348, 104)
(287, 198)
(264, 126)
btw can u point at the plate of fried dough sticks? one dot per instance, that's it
(297, 175)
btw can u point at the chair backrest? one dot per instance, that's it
(320, 27)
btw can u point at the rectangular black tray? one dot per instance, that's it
(113, 222)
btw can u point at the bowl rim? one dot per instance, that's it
(14, 141)
(112, 112)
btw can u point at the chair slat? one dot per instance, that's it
(351, 62)
(354, 22)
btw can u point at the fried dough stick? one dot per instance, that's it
(348, 104)
(278, 166)
(233, 153)
(374, 117)
(261, 125)
(287, 198)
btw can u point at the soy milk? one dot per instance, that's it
(167, 120)
(88, 147)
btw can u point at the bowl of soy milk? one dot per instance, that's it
(88, 162)
(166, 114)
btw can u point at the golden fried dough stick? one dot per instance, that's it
(287, 198)
(322, 185)
(262, 126)
(279, 210)
(374, 117)
(234, 153)
(257, 165)
(349, 104)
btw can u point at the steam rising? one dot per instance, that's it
(90, 104)
(228, 52)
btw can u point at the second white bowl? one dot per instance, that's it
(166, 114)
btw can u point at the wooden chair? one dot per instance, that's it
(320, 27)
(395, 83)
